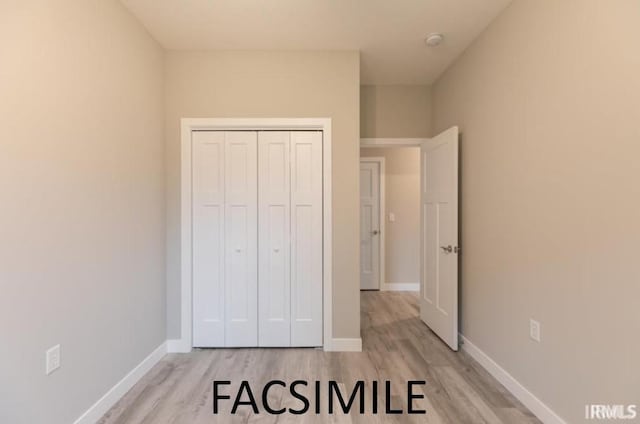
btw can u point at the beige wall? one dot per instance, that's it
(395, 111)
(82, 195)
(548, 102)
(272, 84)
(402, 240)
(398, 111)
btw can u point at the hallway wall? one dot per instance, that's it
(402, 239)
(398, 111)
(395, 111)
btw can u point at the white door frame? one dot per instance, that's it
(381, 216)
(392, 142)
(396, 142)
(184, 344)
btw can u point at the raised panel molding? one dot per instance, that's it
(306, 238)
(274, 297)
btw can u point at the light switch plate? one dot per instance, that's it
(52, 359)
(534, 330)
(392, 217)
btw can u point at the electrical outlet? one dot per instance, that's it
(534, 330)
(52, 359)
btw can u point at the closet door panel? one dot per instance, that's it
(306, 238)
(273, 250)
(208, 238)
(241, 239)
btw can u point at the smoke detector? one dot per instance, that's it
(434, 39)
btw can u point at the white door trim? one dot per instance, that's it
(392, 142)
(411, 287)
(381, 215)
(226, 124)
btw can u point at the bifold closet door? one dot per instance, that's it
(257, 238)
(224, 178)
(306, 238)
(290, 238)
(274, 222)
(241, 238)
(208, 249)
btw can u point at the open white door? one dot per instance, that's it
(439, 235)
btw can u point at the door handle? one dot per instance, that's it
(375, 232)
(447, 249)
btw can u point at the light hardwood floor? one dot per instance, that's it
(397, 346)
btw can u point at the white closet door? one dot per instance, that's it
(306, 238)
(208, 238)
(241, 239)
(274, 228)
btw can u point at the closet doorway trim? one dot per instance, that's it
(188, 125)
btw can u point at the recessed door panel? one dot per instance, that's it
(366, 251)
(208, 238)
(274, 236)
(302, 266)
(241, 239)
(306, 238)
(369, 225)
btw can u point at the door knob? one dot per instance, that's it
(447, 249)
(374, 232)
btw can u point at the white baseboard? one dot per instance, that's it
(98, 409)
(178, 346)
(414, 287)
(337, 345)
(535, 405)
(346, 345)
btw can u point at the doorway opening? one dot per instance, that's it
(418, 177)
(390, 218)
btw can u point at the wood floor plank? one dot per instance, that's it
(397, 347)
